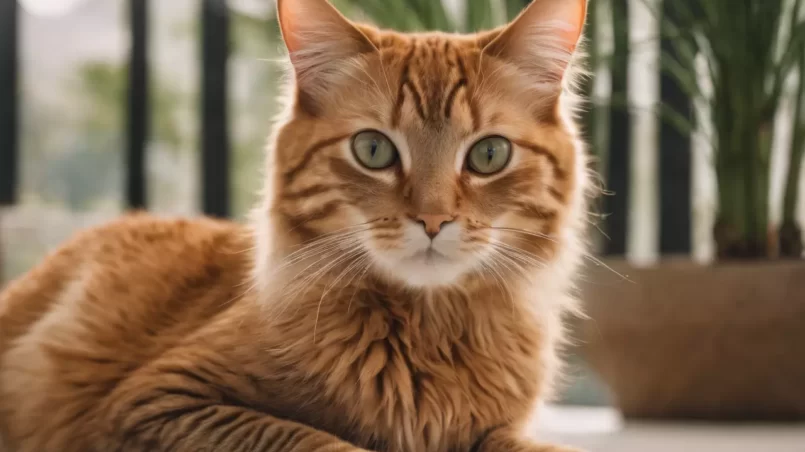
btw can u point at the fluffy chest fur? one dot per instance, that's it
(420, 373)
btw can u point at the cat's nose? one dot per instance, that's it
(433, 222)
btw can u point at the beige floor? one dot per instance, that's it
(602, 430)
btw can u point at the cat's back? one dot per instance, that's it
(109, 300)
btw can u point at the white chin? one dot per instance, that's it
(422, 263)
(425, 270)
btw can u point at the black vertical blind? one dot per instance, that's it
(9, 130)
(214, 124)
(616, 205)
(138, 114)
(675, 153)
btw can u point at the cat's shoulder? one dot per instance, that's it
(136, 258)
(141, 244)
(109, 300)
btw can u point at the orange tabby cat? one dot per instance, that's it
(401, 290)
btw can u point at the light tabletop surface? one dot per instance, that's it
(603, 430)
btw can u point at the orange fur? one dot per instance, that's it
(323, 327)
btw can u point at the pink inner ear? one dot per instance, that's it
(581, 17)
(288, 23)
(572, 22)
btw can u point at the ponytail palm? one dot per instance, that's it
(750, 47)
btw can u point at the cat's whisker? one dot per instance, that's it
(314, 251)
(337, 231)
(502, 282)
(343, 232)
(317, 248)
(486, 267)
(601, 263)
(494, 262)
(386, 77)
(310, 279)
(329, 287)
(308, 282)
(282, 300)
(524, 232)
(511, 264)
(587, 256)
(306, 276)
(521, 260)
(358, 265)
(360, 277)
(522, 254)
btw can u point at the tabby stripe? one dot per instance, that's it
(538, 212)
(190, 375)
(556, 195)
(183, 392)
(388, 236)
(386, 226)
(168, 415)
(233, 424)
(254, 440)
(291, 174)
(311, 191)
(226, 418)
(281, 437)
(451, 97)
(418, 103)
(197, 419)
(221, 393)
(539, 150)
(146, 400)
(404, 77)
(298, 223)
(269, 437)
(474, 112)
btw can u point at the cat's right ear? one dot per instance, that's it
(321, 42)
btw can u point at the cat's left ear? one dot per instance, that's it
(543, 38)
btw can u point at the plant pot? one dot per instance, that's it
(680, 340)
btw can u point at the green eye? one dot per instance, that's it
(489, 155)
(374, 150)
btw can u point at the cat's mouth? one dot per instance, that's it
(429, 256)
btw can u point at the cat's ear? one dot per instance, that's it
(542, 39)
(319, 39)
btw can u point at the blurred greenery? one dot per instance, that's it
(421, 15)
(748, 58)
(88, 170)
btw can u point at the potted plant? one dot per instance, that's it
(720, 341)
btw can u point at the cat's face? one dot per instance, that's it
(428, 156)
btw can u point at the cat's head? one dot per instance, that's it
(425, 157)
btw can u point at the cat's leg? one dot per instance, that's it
(508, 440)
(176, 412)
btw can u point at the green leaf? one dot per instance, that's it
(479, 16)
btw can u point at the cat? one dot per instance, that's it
(400, 287)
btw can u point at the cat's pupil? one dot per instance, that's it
(490, 153)
(374, 148)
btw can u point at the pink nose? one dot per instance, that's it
(433, 222)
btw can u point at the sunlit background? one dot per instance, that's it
(708, 284)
